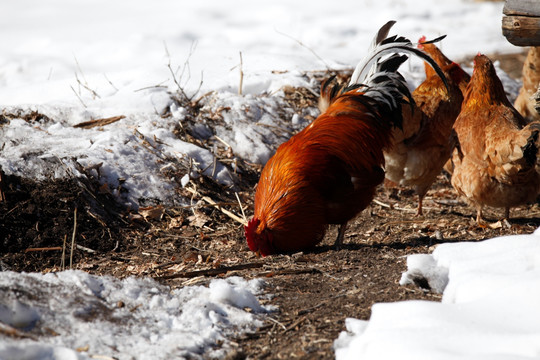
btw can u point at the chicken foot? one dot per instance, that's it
(341, 235)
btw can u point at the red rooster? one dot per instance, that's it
(328, 172)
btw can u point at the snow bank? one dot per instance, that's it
(489, 310)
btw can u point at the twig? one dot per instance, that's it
(393, 207)
(296, 323)
(180, 88)
(214, 166)
(449, 202)
(73, 237)
(14, 333)
(186, 63)
(169, 264)
(308, 310)
(305, 47)
(117, 241)
(382, 204)
(225, 211)
(222, 141)
(158, 86)
(98, 122)
(79, 68)
(290, 272)
(209, 272)
(77, 95)
(241, 208)
(93, 92)
(84, 248)
(54, 248)
(110, 82)
(85, 84)
(102, 357)
(277, 322)
(221, 203)
(178, 80)
(63, 262)
(241, 76)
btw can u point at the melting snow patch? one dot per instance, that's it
(74, 315)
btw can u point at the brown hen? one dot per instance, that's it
(525, 102)
(426, 141)
(496, 162)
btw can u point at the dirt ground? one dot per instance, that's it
(314, 290)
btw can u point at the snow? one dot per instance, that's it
(128, 319)
(489, 307)
(86, 60)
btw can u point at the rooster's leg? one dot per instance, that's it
(506, 219)
(420, 201)
(341, 235)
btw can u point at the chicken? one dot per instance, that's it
(525, 102)
(461, 77)
(426, 141)
(328, 172)
(495, 164)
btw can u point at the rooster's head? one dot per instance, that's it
(259, 238)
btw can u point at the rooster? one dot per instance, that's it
(496, 162)
(328, 172)
(426, 141)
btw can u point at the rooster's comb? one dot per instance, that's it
(249, 231)
(421, 42)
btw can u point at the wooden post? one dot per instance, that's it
(521, 23)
